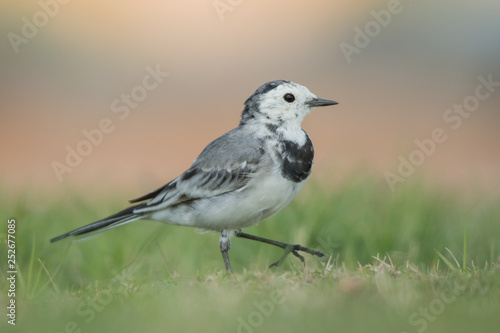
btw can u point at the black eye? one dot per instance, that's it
(289, 98)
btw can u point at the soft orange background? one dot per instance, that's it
(394, 91)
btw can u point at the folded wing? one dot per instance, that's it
(225, 165)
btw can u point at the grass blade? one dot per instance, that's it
(451, 254)
(447, 262)
(464, 260)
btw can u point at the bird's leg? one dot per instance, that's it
(287, 248)
(225, 246)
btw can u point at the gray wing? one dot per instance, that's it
(225, 165)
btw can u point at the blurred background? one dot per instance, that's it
(64, 66)
(102, 101)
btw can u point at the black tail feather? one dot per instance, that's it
(107, 222)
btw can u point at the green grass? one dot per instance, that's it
(416, 260)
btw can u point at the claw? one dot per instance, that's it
(295, 253)
(290, 248)
(286, 251)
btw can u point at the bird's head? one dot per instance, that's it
(280, 103)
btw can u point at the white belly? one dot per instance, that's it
(259, 199)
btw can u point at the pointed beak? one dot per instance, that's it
(315, 102)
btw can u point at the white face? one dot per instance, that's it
(286, 103)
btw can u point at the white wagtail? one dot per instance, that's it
(239, 179)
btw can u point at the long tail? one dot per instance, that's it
(113, 221)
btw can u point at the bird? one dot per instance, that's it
(241, 178)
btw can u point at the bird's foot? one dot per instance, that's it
(293, 248)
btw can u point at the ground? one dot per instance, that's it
(416, 260)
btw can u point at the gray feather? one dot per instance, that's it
(225, 165)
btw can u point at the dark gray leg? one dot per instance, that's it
(287, 248)
(225, 246)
